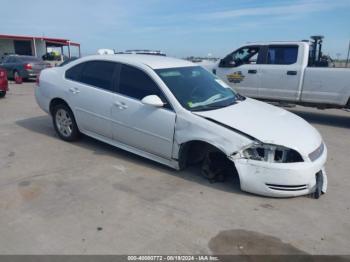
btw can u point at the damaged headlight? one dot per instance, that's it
(272, 153)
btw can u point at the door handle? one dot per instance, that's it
(120, 105)
(292, 73)
(74, 90)
(252, 71)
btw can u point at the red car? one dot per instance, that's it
(4, 87)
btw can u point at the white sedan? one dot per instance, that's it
(177, 113)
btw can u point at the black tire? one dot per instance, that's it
(2, 94)
(215, 167)
(66, 130)
(319, 185)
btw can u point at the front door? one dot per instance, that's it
(241, 70)
(141, 126)
(9, 64)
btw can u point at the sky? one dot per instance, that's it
(180, 27)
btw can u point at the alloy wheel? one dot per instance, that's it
(64, 122)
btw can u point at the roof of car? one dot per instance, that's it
(276, 43)
(153, 61)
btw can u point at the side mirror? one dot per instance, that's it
(152, 100)
(222, 63)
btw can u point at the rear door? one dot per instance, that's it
(91, 91)
(280, 73)
(241, 71)
(141, 126)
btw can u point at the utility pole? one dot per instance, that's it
(347, 59)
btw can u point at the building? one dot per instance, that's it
(35, 46)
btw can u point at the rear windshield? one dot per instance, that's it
(29, 59)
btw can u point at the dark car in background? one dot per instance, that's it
(21, 66)
(3, 82)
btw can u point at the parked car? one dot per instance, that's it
(177, 113)
(23, 66)
(286, 72)
(3, 82)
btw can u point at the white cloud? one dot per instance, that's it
(304, 7)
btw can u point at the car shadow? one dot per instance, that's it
(324, 118)
(43, 125)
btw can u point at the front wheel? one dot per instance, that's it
(64, 123)
(2, 94)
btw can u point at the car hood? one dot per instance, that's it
(267, 123)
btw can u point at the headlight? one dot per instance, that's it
(272, 153)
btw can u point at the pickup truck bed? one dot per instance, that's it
(328, 86)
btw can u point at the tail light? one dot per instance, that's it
(28, 66)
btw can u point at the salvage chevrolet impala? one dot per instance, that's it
(177, 113)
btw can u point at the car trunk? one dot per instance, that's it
(38, 66)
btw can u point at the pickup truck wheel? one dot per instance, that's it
(64, 123)
(2, 94)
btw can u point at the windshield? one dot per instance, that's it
(196, 89)
(29, 59)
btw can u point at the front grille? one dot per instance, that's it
(317, 153)
(287, 187)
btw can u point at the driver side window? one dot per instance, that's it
(137, 84)
(242, 56)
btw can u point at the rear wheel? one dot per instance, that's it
(64, 123)
(2, 94)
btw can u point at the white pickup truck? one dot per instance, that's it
(287, 73)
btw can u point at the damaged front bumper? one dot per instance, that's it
(283, 179)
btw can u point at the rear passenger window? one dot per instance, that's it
(137, 84)
(282, 55)
(74, 72)
(99, 74)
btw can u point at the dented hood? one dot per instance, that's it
(267, 123)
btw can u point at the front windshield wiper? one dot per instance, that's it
(212, 107)
(239, 97)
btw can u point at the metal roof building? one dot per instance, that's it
(34, 45)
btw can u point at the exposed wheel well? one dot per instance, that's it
(56, 101)
(199, 152)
